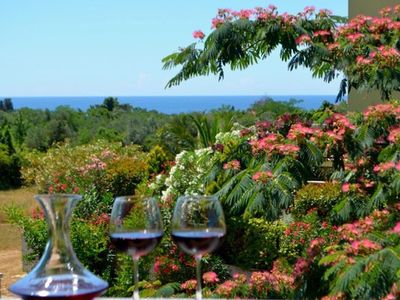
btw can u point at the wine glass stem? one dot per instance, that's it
(136, 278)
(198, 273)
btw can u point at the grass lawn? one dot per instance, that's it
(21, 197)
(10, 236)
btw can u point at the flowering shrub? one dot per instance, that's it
(102, 166)
(304, 238)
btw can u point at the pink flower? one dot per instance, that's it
(243, 14)
(322, 33)
(233, 165)
(346, 187)
(363, 245)
(175, 267)
(304, 38)
(210, 277)
(198, 34)
(394, 135)
(309, 9)
(262, 176)
(226, 288)
(300, 267)
(216, 22)
(239, 277)
(396, 228)
(189, 285)
(157, 266)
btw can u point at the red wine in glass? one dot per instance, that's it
(136, 244)
(198, 242)
(198, 226)
(38, 290)
(136, 229)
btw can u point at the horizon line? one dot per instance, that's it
(208, 95)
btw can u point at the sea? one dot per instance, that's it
(168, 104)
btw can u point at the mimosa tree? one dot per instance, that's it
(365, 49)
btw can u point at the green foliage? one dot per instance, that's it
(252, 243)
(10, 161)
(6, 104)
(321, 197)
(268, 109)
(90, 242)
(94, 204)
(157, 159)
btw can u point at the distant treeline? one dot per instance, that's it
(27, 129)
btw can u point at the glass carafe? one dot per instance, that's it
(59, 274)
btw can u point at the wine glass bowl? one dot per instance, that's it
(135, 228)
(198, 227)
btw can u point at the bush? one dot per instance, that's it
(102, 166)
(252, 243)
(321, 197)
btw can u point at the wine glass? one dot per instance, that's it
(198, 226)
(135, 228)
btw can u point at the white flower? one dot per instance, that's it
(180, 155)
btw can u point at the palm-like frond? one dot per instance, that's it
(356, 281)
(168, 290)
(366, 135)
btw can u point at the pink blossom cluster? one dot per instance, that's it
(351, 187)
(303, 39)
(63, 185)
(198, 34)
(384, 56)
(322, 33)
(356, 230)
(37, 213)
(273, 144)
(386, 166)
(95, 164)
(210, 278)
(265, 14)
(315, 246)
(189, 285)
(102, 219)
(382, 111)
(173, 262)
(299, 131)
(275, 279)
(394, 135)
(393, 294)
(301, 266)
(363, 246)
(396, 228)
(263, 128)
(232, 165)
(226, 289)
(262, 176)
(338, 125)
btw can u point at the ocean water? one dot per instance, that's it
(167, 104)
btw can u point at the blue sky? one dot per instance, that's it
(115, 47)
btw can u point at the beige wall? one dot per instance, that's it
(357, 100)
(369, 7)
